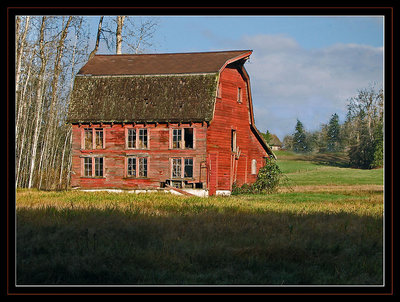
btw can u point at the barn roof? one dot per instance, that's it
(167, 63)
(143, 99)
(178, 87)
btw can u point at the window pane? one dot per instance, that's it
(239, 96)
(143, 138)
(131, 167)
(131, 138)
(176, 168)
(253, 166)
(233, 140)
(188, 138)
(188, 167)
(88, 144)
(142, 167)
(176, 138)
(99, 138)
(98, 166)
(88, 166)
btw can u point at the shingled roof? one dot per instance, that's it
(156, 64)
(179, 87)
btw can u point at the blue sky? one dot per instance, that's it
(302, 67)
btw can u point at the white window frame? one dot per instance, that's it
(138, 166)
(137, 138)
(94, 131)
(93, 166)
(182, 138)
(182, 167)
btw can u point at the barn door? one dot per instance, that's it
(212, 173)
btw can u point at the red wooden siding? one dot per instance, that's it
(231, 115)
(115, 155)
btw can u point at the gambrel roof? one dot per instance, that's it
(157, 64)
(179, 87)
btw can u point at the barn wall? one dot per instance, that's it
(230, 115)
(115, 154)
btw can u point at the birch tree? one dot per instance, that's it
(118, 36)
(37, 117)
(49, 51)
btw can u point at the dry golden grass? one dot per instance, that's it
(325, 228)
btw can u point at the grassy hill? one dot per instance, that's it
(325, 227)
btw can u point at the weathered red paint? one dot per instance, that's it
(231, 115)
(214, 163)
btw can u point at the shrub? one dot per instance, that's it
(268, 179)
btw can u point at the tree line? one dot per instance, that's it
(360, 136)
(49, 52)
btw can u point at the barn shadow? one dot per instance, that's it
(112, 246)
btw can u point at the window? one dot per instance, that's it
(239, 96)
(142, 139)
(93, 138)
(131, 138)
(176, 138)
(176, 168)
(88, 139)
(142, 167)
(188, 138)
(182, 166)
(253, 166)
(137, 138)
(136, 167)
(98, 166)
(233, 140)
(88, 166)
(188, 167)
(99, 138)
(97, 162)
(131, 171)
(182, 140)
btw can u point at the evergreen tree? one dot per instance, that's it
(333, 134)
(300, 139)
(267, 136)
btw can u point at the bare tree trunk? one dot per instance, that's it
(20, 41)
(67, 136)
(97, 39)
(48, 153)
(120, 24)
(39, 93)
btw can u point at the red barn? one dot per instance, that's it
(148, 121)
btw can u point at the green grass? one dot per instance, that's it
(325, 169)
(325, 229)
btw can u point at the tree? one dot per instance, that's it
(267, 136)
(98, 37)
(300, 139)
(288, 142)
(333, 134)
(49, 51)
(118, 34)
(129, 34)
(365, 128)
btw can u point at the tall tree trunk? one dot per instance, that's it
(20, 41)
(120, 24)
(94, 51)
(49, 144)
(39, 100)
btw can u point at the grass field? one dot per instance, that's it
(325, 227)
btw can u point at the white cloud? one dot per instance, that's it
(290, 82)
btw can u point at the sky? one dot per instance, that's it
(302, 67)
